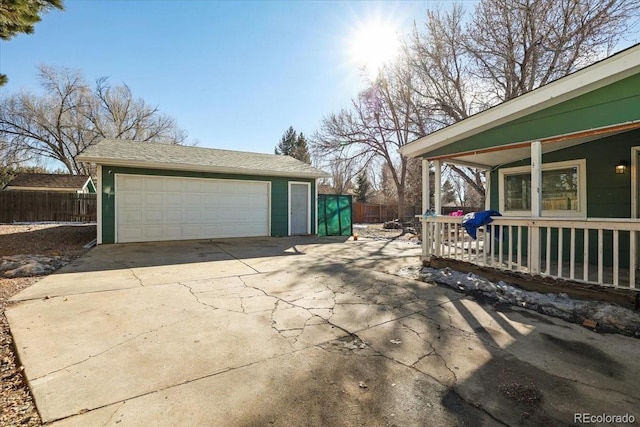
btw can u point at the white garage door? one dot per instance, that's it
(152, 208)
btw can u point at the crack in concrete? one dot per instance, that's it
(236, 258)
(136, 277)
(169, 387)
(505, 353)
(279, 299)
(478, 407)
(91, 356)
(114, 413)
(208, 306)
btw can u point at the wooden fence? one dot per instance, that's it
(372, 213)
(31, 206)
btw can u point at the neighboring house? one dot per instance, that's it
(561, 165)
(52, 182)
(152, 191)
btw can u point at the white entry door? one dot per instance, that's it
(299, 208)
(152, 208)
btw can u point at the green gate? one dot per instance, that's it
(334, 215)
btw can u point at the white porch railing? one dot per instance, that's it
(596, 250)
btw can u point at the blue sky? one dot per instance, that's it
(234, 75)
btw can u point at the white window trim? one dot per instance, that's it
(581, 164)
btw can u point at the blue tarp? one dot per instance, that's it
(473, 220)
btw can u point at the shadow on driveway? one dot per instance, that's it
(299, 331)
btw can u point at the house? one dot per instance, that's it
(52, 182)
(561, 166)
(153, 191)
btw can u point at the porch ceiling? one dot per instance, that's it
(493, 157)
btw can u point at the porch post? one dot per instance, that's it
(425, 186)
(426, 243)
(487, 189)
(536, 207)
(438, 190)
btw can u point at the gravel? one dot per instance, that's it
(45, 240)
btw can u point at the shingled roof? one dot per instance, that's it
(48, 180)
(179, 157)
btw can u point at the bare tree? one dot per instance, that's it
(343, 172)
(71, 116)
(380, 121)
(519, 45)
(507, 48)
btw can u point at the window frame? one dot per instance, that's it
(580, 164)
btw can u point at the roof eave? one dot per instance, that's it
(196, 168)
(600, 74)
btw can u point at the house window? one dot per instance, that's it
(518, 197)
(563, 189)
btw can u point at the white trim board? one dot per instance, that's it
(290, 212)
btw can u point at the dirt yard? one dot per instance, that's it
(16, 404)
(378, 232)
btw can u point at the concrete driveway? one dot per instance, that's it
(299, 331)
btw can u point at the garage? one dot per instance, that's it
(156, 192)
(152, 208)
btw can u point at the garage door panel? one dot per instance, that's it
(132, 183)
(172, 199)
(153, 199)
(133, 233)
(210, 186)
(133, 198)
(132, 216)
(152, 232)
(173, 185)
(191, 199)
(192, 216)
(208, 201)
(192, 186)
(170, 208)
(174, 216)
(153, 216)
(173, 232)
(153, 185)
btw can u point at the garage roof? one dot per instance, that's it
(118, 152)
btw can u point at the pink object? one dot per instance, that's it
(457, 213)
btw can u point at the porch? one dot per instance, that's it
(562, 166)
(598, 251)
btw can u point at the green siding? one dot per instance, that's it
(279, 196)
(613, 104)
(91, 187)
(608, 193)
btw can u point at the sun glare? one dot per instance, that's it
(372, 45)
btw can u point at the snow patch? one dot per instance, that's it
(30, 265)
(610, 317)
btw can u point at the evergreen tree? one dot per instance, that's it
(294, 145)
(301, 151)
(19, 16)
(448, 193)
(362, 187)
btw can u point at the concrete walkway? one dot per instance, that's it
(299, 331)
